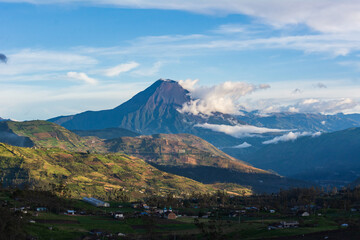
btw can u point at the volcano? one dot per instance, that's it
(154, 110)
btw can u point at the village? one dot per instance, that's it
(218, 216)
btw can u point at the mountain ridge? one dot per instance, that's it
(329, 157)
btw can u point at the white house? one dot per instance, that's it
(305, 214)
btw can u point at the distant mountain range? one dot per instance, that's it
(302, 121)
(329, 158)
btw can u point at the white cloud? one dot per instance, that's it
(314, 105)
(82, 77)
(189, 84)
(230, 29)
(291, 136)
(239, 131)
(340, 95)
(311, 105)
(243, 145)
(222, 98)
(121, 68)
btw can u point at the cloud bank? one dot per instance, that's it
(223, 98)
(291, 136)
(239, 131)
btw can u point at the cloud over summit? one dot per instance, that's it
(223, 98)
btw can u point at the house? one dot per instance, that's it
(272, 211)
(136, 204)
(96, 202)
(305, 214)
(70, 212)
(289, 224)
(170, 215)
(119, 216)
(41, 209)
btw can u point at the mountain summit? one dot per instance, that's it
(149, 111)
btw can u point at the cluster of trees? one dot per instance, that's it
(282, 201)
(11, 225)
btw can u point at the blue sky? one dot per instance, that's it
(65, 56)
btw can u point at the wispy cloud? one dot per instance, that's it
(291, 136)
(30, 61)
(230, 29)
(243, 145)
(82, 77)
(318, 15)
(121, 68)
(239, 131)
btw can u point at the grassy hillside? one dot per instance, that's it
(178, 150)
(48, 135)
(181, 154)
(90, 174)
(190, 156)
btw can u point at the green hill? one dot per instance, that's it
(90, 174)
(178, 150)
(192, 157)
(181, 154)
(48, 135)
